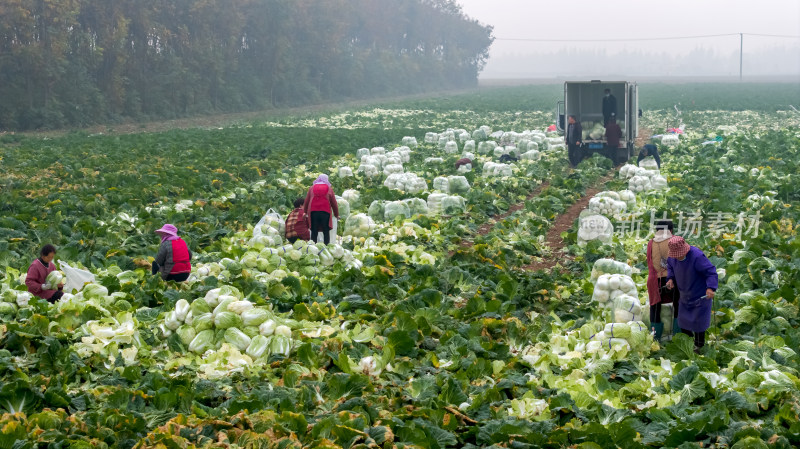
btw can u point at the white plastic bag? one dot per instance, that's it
(270, 217)
(76, 277)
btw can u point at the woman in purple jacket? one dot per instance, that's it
(696, 278)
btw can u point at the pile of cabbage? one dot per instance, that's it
(607, 206)
(359, 225)
(497, 170)
(595, 132)
(454, 185)
(11, 301)
(594, 227)
(406, 182)
(609, 266)
(443, 204)
(222, 316)
(670, 140)
(626, 196)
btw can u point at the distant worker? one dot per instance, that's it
(506, 158)
(613, 132)
(609, 106)
(649, 150)
(574, 136)
(463, 161)
(36, 278)
(173, 260)
(296, 223)
(320, 207)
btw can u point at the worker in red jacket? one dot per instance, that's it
(173, 258)
(296, 225)
(37, 275)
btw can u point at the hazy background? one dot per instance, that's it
(628, 19)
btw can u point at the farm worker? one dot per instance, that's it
(695, 277)
(296, 226)
(506, 158)
(574, 133)
(657, 253)
(649, 150)
(551, 128)
(173, 258)
(613, 132)
(320, 207)
(609, 105)
(463, 161)
(37, 275)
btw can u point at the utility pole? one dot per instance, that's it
(741, 47)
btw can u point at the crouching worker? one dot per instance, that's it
(649, 150)
(296, 223)
(463, 161)
(173, 258)
(36, 279)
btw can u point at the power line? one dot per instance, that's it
(645, 38)
(773, 35)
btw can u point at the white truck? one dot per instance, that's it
(584, 100)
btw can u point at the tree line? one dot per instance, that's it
(70, 63)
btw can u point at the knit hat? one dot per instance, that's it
(678, 248)
(168, 229)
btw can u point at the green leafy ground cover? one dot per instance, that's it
(387, 340)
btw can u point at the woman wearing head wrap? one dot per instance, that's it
(320, 207)
(695, 277)
(173, 258)
(657, 253)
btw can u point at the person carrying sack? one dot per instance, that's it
(320, 207)
(657, 291)
(695, 277)
(173, 258)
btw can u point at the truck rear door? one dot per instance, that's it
(633, 112)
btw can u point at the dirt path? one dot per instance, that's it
(562, 223)
(644, 137)
(489, 225)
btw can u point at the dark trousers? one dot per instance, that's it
(56, 296)
(320, 222)
(292, 239)
(699, 337)
(177, 277)
(667, 296)
(573, 154)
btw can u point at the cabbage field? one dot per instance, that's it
(451, 312)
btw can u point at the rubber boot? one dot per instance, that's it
(659, 330)
(675, 328)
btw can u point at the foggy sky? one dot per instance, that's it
(612, 19)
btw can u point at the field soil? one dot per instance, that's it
(562, 223)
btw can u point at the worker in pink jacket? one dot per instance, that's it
(320, 207)
(37, 275)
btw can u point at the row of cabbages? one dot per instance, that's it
(271, 264)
